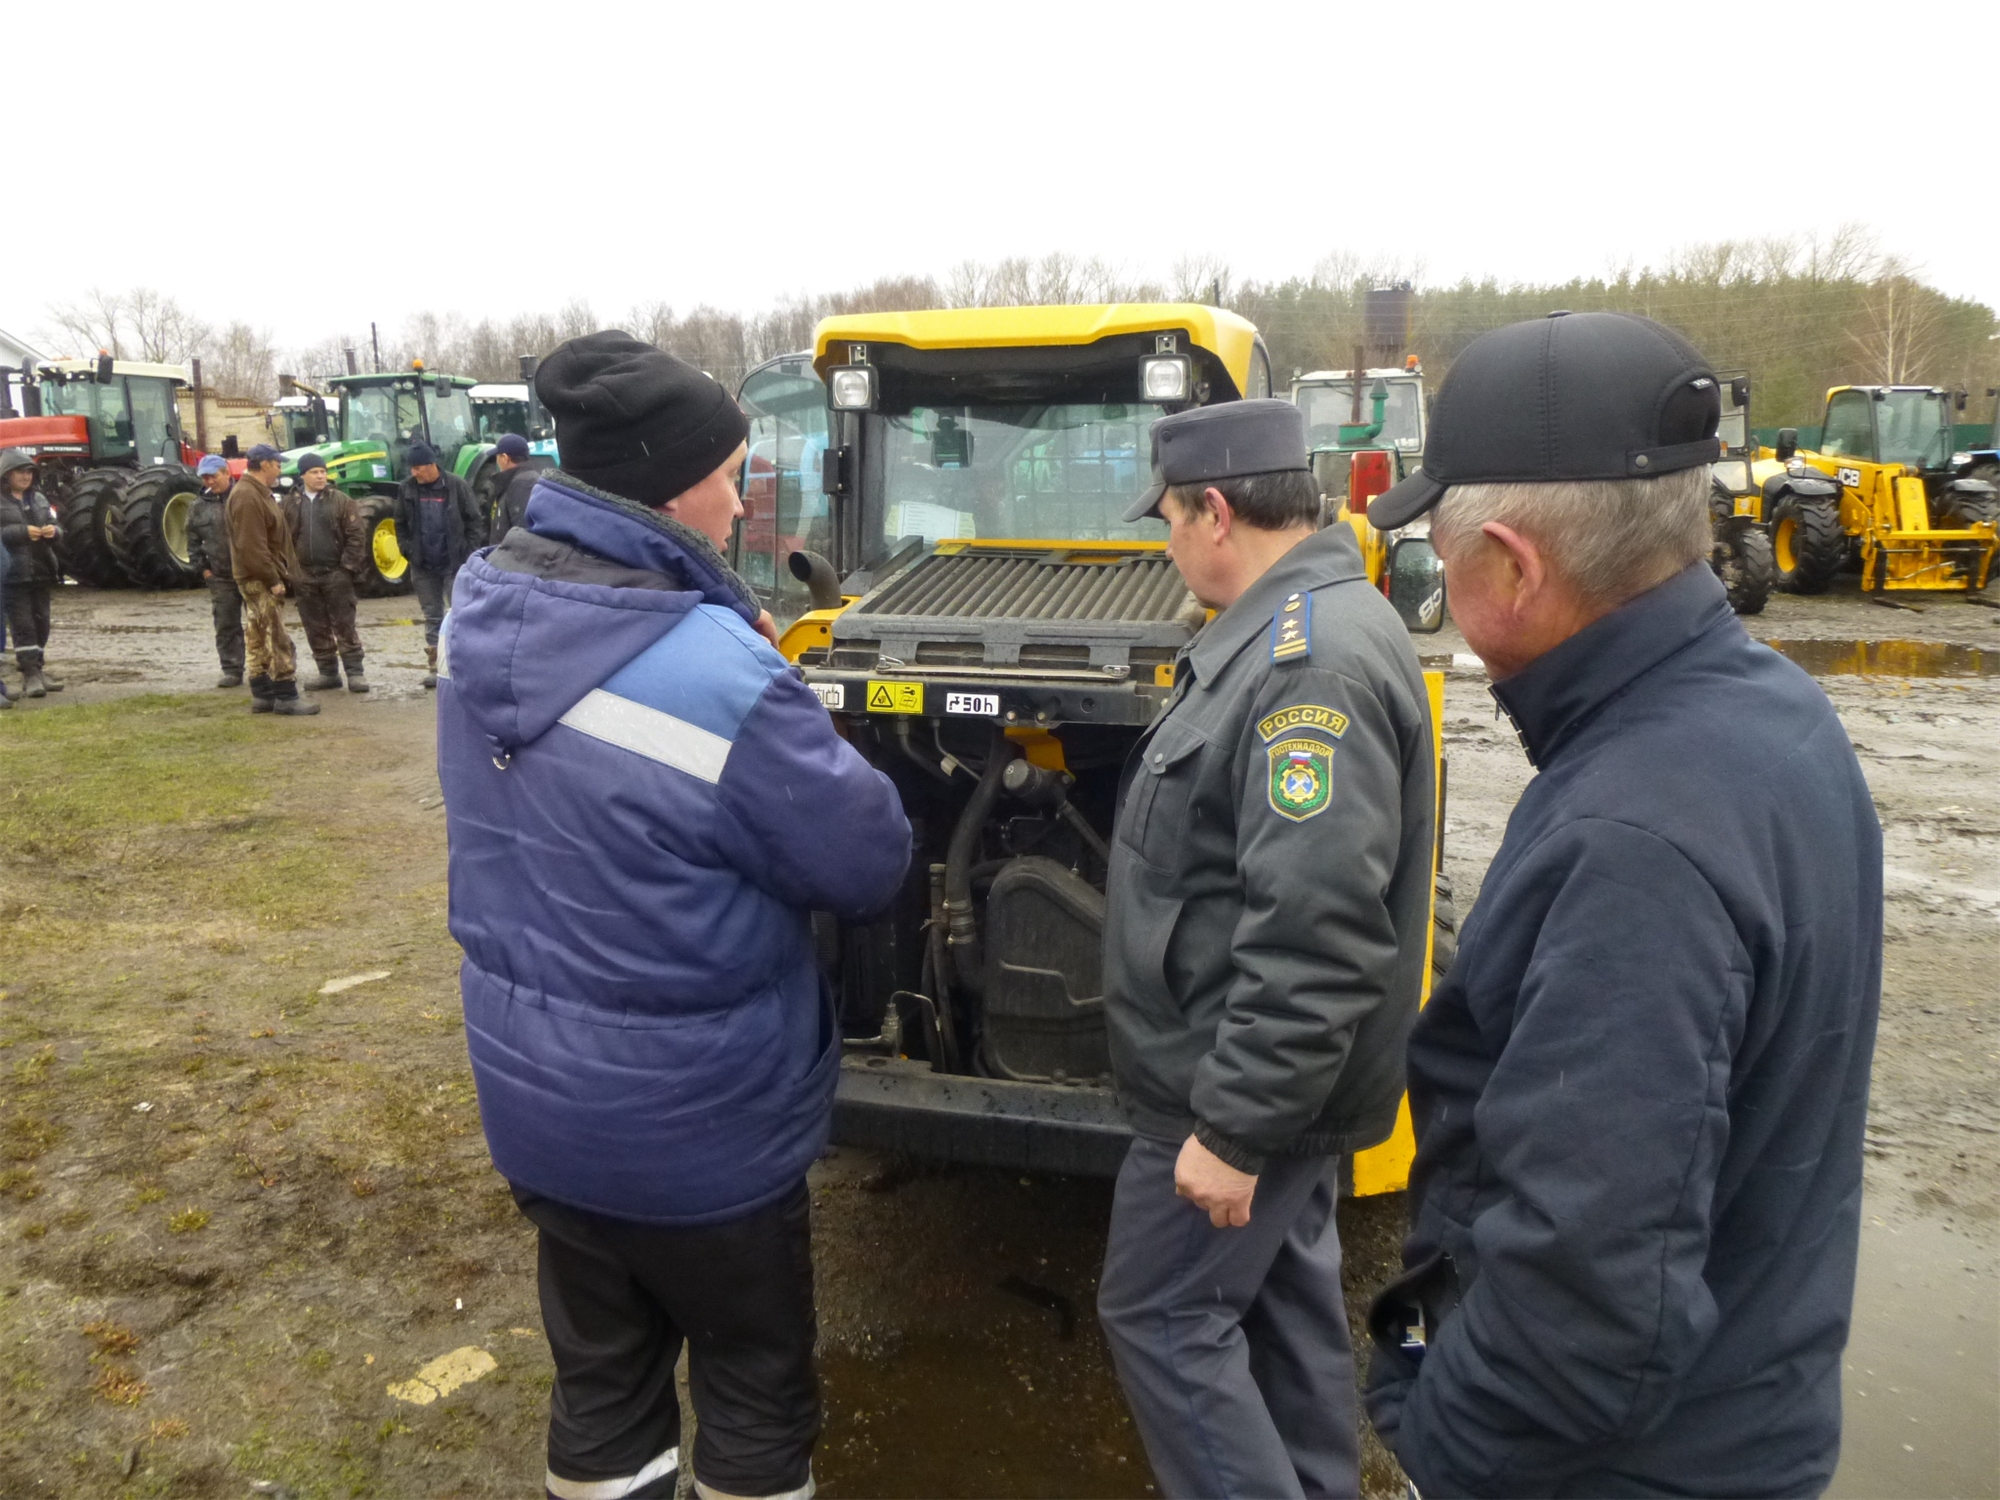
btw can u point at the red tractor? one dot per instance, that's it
(106, 435)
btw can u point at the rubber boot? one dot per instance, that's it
(229, 678)
(262, 699)
(357, 682)
(329, 678)
(289, 703)
(50, 684)
(5, 700)
(431, 659)
(33, 684)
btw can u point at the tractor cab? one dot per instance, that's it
(107, 413)
(511, 407)
(934, 512)
(381, 415)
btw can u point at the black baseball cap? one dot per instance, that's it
(1600, 395)
(1222, 442)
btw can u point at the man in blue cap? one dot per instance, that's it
(1639, 1094)
(518, 468)
(208, 551)
(1266, 924)
(438, 526)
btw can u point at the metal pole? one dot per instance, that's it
(200, 408)
(375, 339)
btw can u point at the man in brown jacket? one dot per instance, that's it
(261, 556)
(325, 524)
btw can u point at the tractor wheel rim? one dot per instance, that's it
(174, 526)
(1782, 543)
(389, 559)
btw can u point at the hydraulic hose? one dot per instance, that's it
(962, 928)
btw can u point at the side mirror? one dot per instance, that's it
(1788, 443)
(442, 386)
(103, 368)
(1959, 400)
(1739, 391)
(1416, 584)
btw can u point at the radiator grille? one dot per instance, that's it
(1038, 586)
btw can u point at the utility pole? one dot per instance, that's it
(200, 407)
(376, 339)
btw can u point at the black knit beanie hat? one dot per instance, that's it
(634, 420)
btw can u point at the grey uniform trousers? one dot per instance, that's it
(433, 588)
(1231, 1344)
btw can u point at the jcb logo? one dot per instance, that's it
(1849, 477)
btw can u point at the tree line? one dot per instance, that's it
(1799, 314)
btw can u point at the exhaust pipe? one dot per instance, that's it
(817, 574)
(962, 928)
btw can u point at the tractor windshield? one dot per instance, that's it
(384, 414)
(73, 398)
(452, 424)
(1057, 472)
(1328, 407)
(1914, 428)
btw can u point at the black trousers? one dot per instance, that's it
(618, 1300)
(28, 622)
(226, 604)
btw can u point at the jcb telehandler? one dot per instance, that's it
(1911, 519)
(934, 503)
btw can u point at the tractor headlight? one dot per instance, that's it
(1795, 466)
(852, 387)
(1961, 460)
(1166, 377)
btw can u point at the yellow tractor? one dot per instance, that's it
(1906, 513)
(933, 513)
(1774, 524)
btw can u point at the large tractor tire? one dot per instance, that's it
(89, 509)
(1807, 543)
(1743, 560)
(1960, 511)
(384, 569)
(1987, 470)
(148, 530)
(485, 481)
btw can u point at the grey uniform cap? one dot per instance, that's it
(1225, 441)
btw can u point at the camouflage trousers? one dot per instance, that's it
(267, 648)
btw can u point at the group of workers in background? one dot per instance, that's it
(257, 542)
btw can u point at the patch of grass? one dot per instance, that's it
(27, 1138)
(111, 1338)
(19, 1184)
(188, 1220)
(120, 1385)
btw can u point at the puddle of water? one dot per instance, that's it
(1889, 658)
(1920, 1387)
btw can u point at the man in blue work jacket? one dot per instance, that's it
(1639, 1094)
(645, 803)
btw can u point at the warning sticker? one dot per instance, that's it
(895, 697)
(830, 694)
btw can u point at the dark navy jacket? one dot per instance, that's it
(645, 802)
(1639, 1095)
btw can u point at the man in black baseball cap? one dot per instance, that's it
(1639, 1093)
(1264, 941)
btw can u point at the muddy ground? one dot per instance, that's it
(236, 1208)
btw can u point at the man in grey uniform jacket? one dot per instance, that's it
(1264, 949)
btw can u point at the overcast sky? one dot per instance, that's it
(310, 167)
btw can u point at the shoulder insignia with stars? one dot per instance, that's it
(1291, 629)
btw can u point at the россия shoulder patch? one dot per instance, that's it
(1304, 716)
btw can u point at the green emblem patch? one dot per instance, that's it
(1301, 778)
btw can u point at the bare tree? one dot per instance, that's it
(240, 361)
(1900, 321)
(1195, 278)
(140, 324)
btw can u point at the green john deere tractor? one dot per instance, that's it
(367, 454)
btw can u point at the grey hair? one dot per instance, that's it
(1611, 539)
